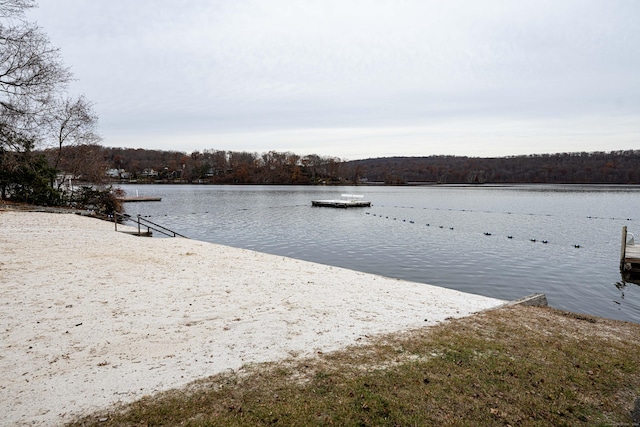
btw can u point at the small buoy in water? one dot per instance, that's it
(427, 225)
(533, 240)
(411, 222)
(576, 246)
(369, 213)
(450, 228)
(442, 226)
(509, 237)
(486, 233)
(545, 241)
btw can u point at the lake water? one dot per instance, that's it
(451, 236)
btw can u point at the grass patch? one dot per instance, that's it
(517, 366)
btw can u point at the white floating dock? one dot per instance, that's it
(347, 201)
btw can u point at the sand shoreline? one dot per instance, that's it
(91, 317)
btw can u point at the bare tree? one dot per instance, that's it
(32, 77)
(31, 72)
(72, 122)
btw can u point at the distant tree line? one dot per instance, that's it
(615, 167)
(231, 167)
(222, 167)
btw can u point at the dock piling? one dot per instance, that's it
(623, 249)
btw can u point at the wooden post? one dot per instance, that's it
(138, 224)
(623, 249)
(115, 220)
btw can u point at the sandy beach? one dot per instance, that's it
(92, 317)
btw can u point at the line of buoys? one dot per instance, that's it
(613, 218)
(501, 212)
(486, 233)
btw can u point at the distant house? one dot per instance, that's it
(149, 172)
(64, 181)
(117, 173)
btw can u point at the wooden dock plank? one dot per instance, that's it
(632, 253)
(629, 254)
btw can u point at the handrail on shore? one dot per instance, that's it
(150, 225)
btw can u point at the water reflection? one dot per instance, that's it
(628, 277)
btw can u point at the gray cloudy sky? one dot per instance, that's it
(356, 79)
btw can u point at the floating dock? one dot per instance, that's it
(347, 201)
(629, 253)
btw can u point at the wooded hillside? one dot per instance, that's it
(616, 167)
(230, 167)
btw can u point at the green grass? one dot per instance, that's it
(517, 366)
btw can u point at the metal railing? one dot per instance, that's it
(149, 225)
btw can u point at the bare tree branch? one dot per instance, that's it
(15, 8)
(31, 71)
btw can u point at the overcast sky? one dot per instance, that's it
(356, 79)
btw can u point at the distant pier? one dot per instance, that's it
(140, 199)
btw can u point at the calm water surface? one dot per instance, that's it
(455, 237)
